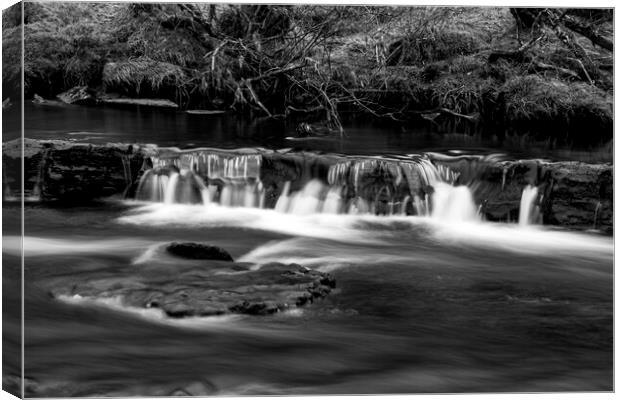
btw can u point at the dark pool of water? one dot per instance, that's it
(180, 129)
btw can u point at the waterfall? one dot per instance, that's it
(596, 212)
(528, 209)
(333, 201)
(371, 185)
(228, 179)
(453, 203)
(284, 199)
(152, 185)
(308, 200)
(171, 187)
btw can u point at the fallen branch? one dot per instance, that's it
(248, 85)
(516, 55)
(540, 66)
(587, 31)
(583, 68)
(276, 72)
(475, 117)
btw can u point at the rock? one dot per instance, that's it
(81, 95)
(72, 173)
(205, 112)
(141, 102)
(6, 104)
(580, 196)
(306, 129)
(38, 99)
(191, 289)
(197, 251)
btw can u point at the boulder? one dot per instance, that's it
(192, 288)
(198, 251)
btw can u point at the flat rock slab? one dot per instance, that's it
(142, 102)
(198, 288)
(205, 112)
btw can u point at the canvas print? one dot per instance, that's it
(210, 199)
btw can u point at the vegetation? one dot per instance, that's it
(540, 72)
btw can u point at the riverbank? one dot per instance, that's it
(476, 70)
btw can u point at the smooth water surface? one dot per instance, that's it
(165, 127)
(421, 306)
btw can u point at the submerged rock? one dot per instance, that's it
(194, 288)
(197, 251)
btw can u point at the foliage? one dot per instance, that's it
(319, 60)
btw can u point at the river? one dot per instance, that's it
(423, 304)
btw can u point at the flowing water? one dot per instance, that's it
(434, 300)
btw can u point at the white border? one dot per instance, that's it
(549, 3)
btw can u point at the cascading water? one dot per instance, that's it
(453, 203)
(356, 186)
(232, 180)
(528, 209)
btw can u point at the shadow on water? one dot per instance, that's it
(177, 128)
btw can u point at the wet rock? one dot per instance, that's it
(163, 103)
(198, 251)
(205, 112)
(80, 95)
(198, 288)
(38, 99)
(580, 196)
(306, 129)
(56, 170)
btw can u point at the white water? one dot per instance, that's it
(528, 209)
(152, 314)
(234, 181)
(453, 203)
(380, 230)
(38, 246)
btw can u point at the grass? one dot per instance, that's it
(136, 74)
(400, 60)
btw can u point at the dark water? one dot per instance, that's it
(420, 306)
(177, 128)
